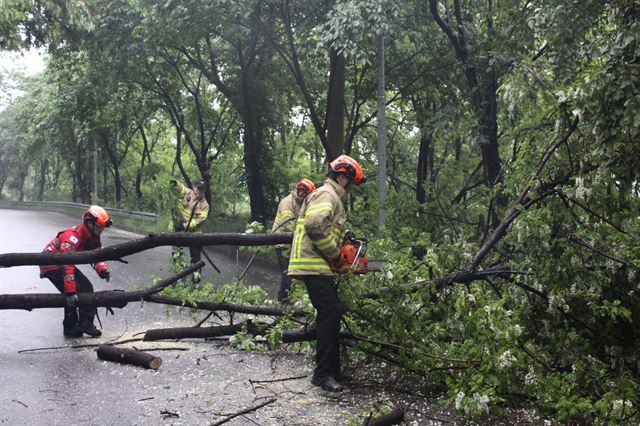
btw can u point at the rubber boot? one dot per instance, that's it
(69, 323)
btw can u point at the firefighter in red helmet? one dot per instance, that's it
(69, 280)
(285, 221)
(315, 254)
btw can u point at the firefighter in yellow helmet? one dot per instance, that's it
(285, 221)
(315, 253)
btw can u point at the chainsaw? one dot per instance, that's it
(352, 253)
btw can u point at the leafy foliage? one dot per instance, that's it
(515, 289)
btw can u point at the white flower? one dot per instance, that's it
(459, 397)
(618, 404)
(517, 330)
(389, 275)
(471, 298)
(582, 192)
(530, 378)
(506, 359)
(482, 401)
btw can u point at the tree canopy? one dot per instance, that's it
(512, 156)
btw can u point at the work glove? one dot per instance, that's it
(338, 265)
(349, 236)
(71, 300)
(105, 274)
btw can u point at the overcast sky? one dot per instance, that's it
(27, 62)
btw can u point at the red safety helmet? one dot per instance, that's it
(306, 184)
(97, 215)
(349, 166)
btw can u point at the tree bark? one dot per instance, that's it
(394, 417)
(118, 251)
(221, 306)
(128, 356)
(198, 332)
(112, 299)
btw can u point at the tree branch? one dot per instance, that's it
(118, 251)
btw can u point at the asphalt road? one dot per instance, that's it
(71, 386)
(199, 382)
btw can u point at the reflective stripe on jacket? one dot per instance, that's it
(77, 238)
(188, 203)
(319, 231)
(288, 211)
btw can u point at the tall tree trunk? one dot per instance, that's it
(423, 167)
(80, 182)
(44, 165)
(115, 163)
(105, 182)
(253, 170)
(3, 179)
(335, 106)
(22, 176)
(482, 89)
(254, 155)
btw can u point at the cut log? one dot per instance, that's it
(116, 252)
(128, 356)
(221, 306)
(198, 332)
(393, 417)
(112, 298)
(299, 335)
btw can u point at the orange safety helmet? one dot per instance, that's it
(306, 184)
(346, 164)
(97, 215)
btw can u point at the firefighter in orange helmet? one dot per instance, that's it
(285, 221)
(315, 251)
(69, 280)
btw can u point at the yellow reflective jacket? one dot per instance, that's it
(288, 211)
(190, 210)
(319, 231)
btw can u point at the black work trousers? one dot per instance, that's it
(324, 297)
(285, 279)
(196, 254)
(72, 316)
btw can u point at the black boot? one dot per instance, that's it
(72, 331)
(328, 383)
(88, 328)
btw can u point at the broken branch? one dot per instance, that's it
(118, 251)
(111, 298)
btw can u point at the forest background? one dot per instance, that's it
(509, 171)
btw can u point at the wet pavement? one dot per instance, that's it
(199, 382)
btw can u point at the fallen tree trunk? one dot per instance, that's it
(221, 306)
(393, 417)
(299, 335)
(128, 356)
(199, 332)
(118, 251)
(111, 298)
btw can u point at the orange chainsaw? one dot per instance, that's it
(352, 253)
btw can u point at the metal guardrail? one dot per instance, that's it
(53, 205)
